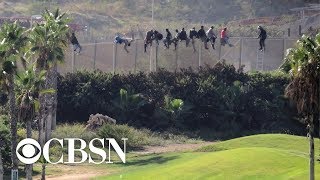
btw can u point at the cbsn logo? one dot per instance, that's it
(32, 151)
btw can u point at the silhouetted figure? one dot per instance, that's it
(193, 35)
(148, 40)
(203, 37)
(262, 37)
(176, 39)
(75, 43)
(211, 37)
(184, 37)
(158, 37)
(168, 39)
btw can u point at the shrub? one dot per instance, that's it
(136, 138)
(219, 98)
(73, 131)
(5, 140)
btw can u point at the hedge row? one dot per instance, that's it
(220, 99)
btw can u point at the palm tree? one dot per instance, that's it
(13, 41)
(48, 41)
(303, 63)
(27, 91)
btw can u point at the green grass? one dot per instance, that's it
(254, 157)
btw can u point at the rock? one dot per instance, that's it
(98, 120)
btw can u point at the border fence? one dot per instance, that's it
(110, 57)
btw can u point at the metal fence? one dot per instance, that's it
(109, 57)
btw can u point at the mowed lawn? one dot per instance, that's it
(254, 157)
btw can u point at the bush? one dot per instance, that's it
(5, 140)
(136, 138)
(218, 98)
(73, 131)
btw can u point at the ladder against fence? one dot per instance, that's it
(260, 61)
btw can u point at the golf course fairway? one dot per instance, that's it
(270, 156)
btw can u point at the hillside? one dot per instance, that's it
(254, 157)
(106, 17)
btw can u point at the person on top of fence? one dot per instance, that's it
(262, 37)
(74, 41)
(224, 37)
(148, 40)
(184, 37)
(119, 40)
(203, 37)
(211, 37)
(193, 35)
(158, 37)
(167, 40)
(176, 39)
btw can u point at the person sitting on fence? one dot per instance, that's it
(75, 43)
(262, 37)
(193, 35)
(184, 37)
(211, 37)
(148, 40)
(127, 41)
(224, 37)
(158, 37)
(203, 37)
(167, 40)
(175, 40)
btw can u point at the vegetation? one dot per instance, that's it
(227, 102)
(26, 89)
(105, 18)
(303, 64)
(254, 157)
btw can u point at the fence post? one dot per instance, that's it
(156, 61)
(135, 57)
(176, 63)
(220, 48)
(73, 61)
(240, 58)
(289, 32)
(300, 30)
(284, 48)
(95, 55)
(114, 65)
(200, 54)
(150, 60)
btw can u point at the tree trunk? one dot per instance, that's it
(13, 119)
(311, 149)
(51, 83)
(1, 166)
(55, 100)
(47, 108)
(29, 135)
(43, 172)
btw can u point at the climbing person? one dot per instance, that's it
(262, 36)
(211, 37)
(184, 37)
(75, 43)
(203, 37)
(158, 37)
(193, 35)
(224, 37)
(119, 40)
(167, 40)
(148, 39)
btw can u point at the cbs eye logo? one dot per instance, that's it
(30, 149)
